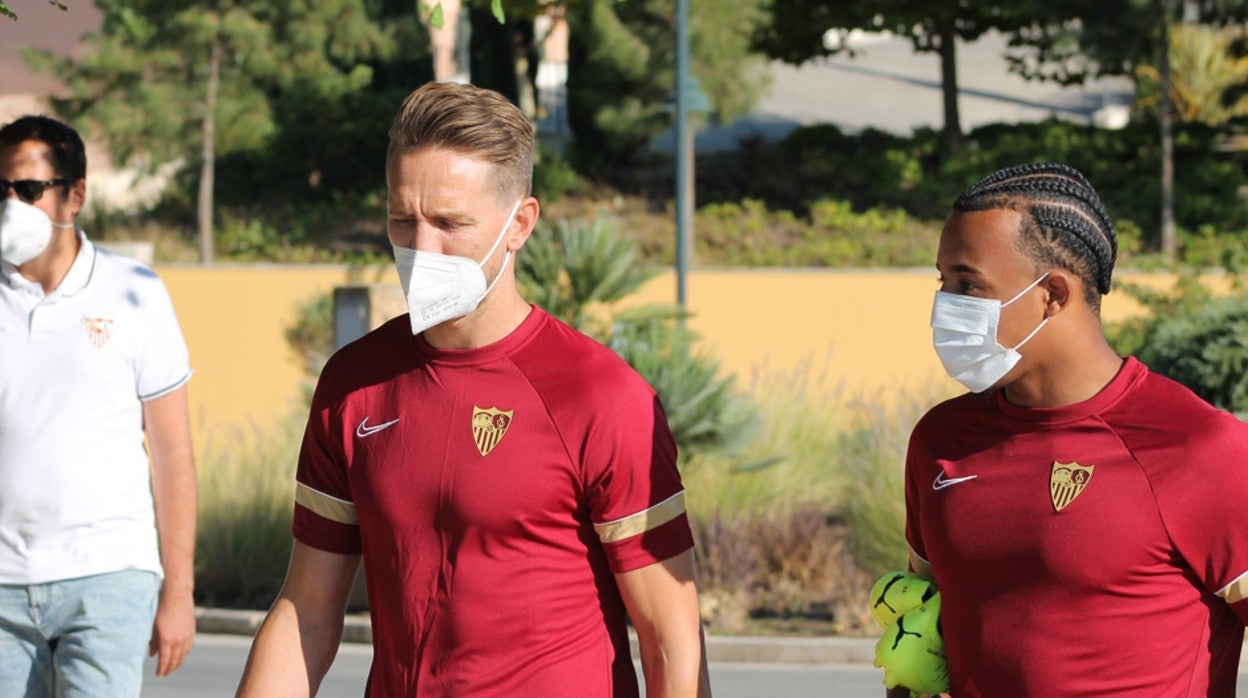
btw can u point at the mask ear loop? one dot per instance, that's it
(507, 257)
(1033, 284)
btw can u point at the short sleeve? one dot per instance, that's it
(636, 500)
(163, 362)
(1205, 508)
(325, 516)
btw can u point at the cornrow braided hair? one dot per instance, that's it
(1064, 222)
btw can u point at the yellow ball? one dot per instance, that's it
(898, 592)
(912, 651)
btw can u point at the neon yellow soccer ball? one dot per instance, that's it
(898, 592)
(912, 651)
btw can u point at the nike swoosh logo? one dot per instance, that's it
(365, 430)
(941, 482)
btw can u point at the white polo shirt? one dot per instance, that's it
(75, 366)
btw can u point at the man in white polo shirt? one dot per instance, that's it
(96, 543)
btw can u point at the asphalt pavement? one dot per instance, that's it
(740, 667)
(215, 665)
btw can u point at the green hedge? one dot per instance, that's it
(878, 170)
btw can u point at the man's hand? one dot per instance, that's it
(173, 633)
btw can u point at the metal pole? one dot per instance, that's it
(684, 154)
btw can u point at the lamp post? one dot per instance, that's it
(688, 100)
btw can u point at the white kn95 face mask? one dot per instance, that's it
(964, 333)
(441, 287)
(25, 231)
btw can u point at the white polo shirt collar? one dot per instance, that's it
(76, 278)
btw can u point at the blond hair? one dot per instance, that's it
(474, 122)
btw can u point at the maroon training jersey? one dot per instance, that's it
(1097, 549)
(493, 492)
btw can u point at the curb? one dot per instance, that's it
(719, 648)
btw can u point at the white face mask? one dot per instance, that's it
(25, 231)
(443, 287)
(964, 332)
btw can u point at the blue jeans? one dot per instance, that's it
(77, 637)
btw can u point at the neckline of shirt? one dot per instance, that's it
(489, 352)
(75, 279)
(1127, 375)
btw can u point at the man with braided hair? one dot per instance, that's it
(1086, 520)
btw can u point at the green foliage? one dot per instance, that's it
(246, 502)
(836, 482)
(1133, 336)
(579, 271)
(305, 90)
(1206, 350)
(911, 174)
(311, 335)
(1206, 74)
(576, 269)
(554, 178)
(704, 410)
(621, 71)
(832, 235)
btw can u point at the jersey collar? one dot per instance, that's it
(1128, 375)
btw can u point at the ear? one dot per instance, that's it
(1062, 289)
(522, 226)
(78, 196)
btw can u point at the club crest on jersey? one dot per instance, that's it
(489, 427)
(1067, 481)
(99, 329)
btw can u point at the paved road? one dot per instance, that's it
(214, 666)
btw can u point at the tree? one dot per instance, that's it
(799, 30)
(190, 82)
(1121, 37)
(621, 73)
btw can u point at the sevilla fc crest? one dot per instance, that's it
(489, 427)
(98, 330)
(1067, 481)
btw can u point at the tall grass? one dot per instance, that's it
(814, 510)
(246, 501)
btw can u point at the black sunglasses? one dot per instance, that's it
(30, 190)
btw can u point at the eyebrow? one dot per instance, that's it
(961, 269)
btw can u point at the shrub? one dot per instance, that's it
(704, 410)
(831, 234)
(1207, 351)
(774, 566)
(579, 270)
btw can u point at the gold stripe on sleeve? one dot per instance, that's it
(642, 521)
(1236, 591)
(324, 505)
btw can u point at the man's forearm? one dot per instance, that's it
(289, 657)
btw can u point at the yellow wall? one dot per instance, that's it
(234, 319)
(867, 328)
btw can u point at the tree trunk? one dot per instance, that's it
(1169, 244)
(207, 171)
(949, 86)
